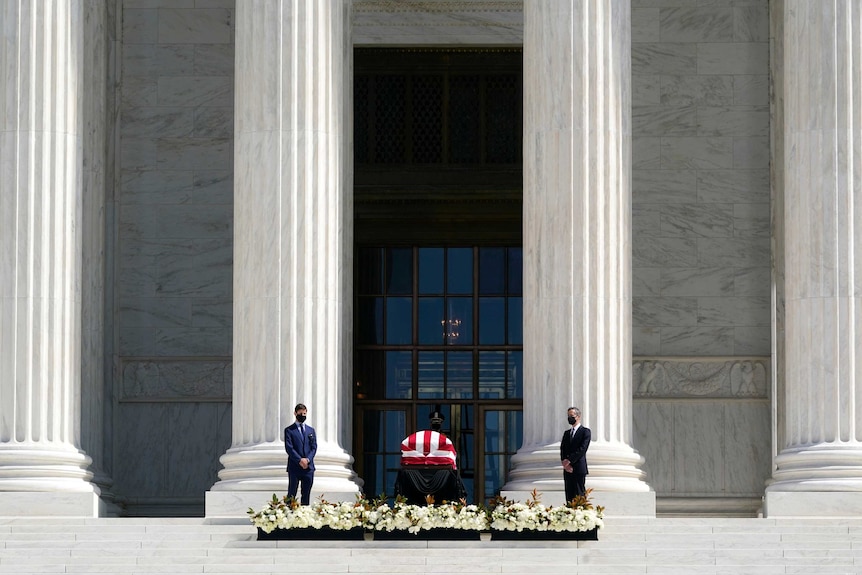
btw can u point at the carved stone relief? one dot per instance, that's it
(172, 380)
(666, 377)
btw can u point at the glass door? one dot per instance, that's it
(438, 326)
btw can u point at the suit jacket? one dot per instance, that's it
(575, 449)
(299, 445)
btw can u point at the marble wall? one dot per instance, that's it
(173, 317)
(700, 177)
(700, 182)
(703, 425)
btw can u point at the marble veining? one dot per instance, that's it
(700, 155)
(161, 380)
(817, 242)
(712, 90)
(560, 105)
(46, 179)
(293, 240)
(701, 24)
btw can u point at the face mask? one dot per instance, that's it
(572, 419)
(300, 418)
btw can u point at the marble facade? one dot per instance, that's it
(165, 166)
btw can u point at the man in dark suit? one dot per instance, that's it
(573, 453)
(300, 442)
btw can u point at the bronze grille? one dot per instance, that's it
(437, 107)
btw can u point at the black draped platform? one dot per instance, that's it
(442, 483)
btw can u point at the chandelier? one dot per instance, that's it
(451, 328)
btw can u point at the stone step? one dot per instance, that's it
(627, 545)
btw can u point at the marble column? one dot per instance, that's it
(97, 135)
(577, 250)
(293, 262)
(818, 242)
(43, 471)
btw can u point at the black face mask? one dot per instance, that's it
(572, 419)
(300, 418)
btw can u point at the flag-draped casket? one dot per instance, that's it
(428, 448)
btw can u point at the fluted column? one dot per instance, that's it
(818, 242)
(577, 250)
(96, 179)
(293, 247)
(43, 471)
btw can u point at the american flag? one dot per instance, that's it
(428, 448)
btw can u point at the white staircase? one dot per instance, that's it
(667, 546)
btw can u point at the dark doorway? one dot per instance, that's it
(437, 226)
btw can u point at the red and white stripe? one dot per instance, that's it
(427, 448)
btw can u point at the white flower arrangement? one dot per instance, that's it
(377, 515)
(577, 515)
(415, 518)
(287, 513)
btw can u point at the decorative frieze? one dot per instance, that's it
(701, 377)
(437, 6)
(156, 380)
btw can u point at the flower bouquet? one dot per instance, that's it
(576, 520)
(455, 520)
(285, 518)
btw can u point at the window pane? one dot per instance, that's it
(459, 318)
(371, 320)
(370, 374)
(372, 424)
(492, 374)
(399, 320)
(431, 270)
(393, 465)
(371, 271)
(396, 430)
(459, 375)
(495, 474)
(399, 271)
(515, 375)
(516, 321)
(459, 270)
(492, 271)
(374, 476)
(430, 374)
(399, 374)
(515, 430)
(516, 266)
(494, 432)
(464, 444)
(431, 320)
(492, 320)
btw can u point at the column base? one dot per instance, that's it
(253, 473)
(232, 506)
(45, 479)
(823, 480)
(615, 477)
(51, 504)
(812, 504)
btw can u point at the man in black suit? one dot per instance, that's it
(573, 453)
(300, 442)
